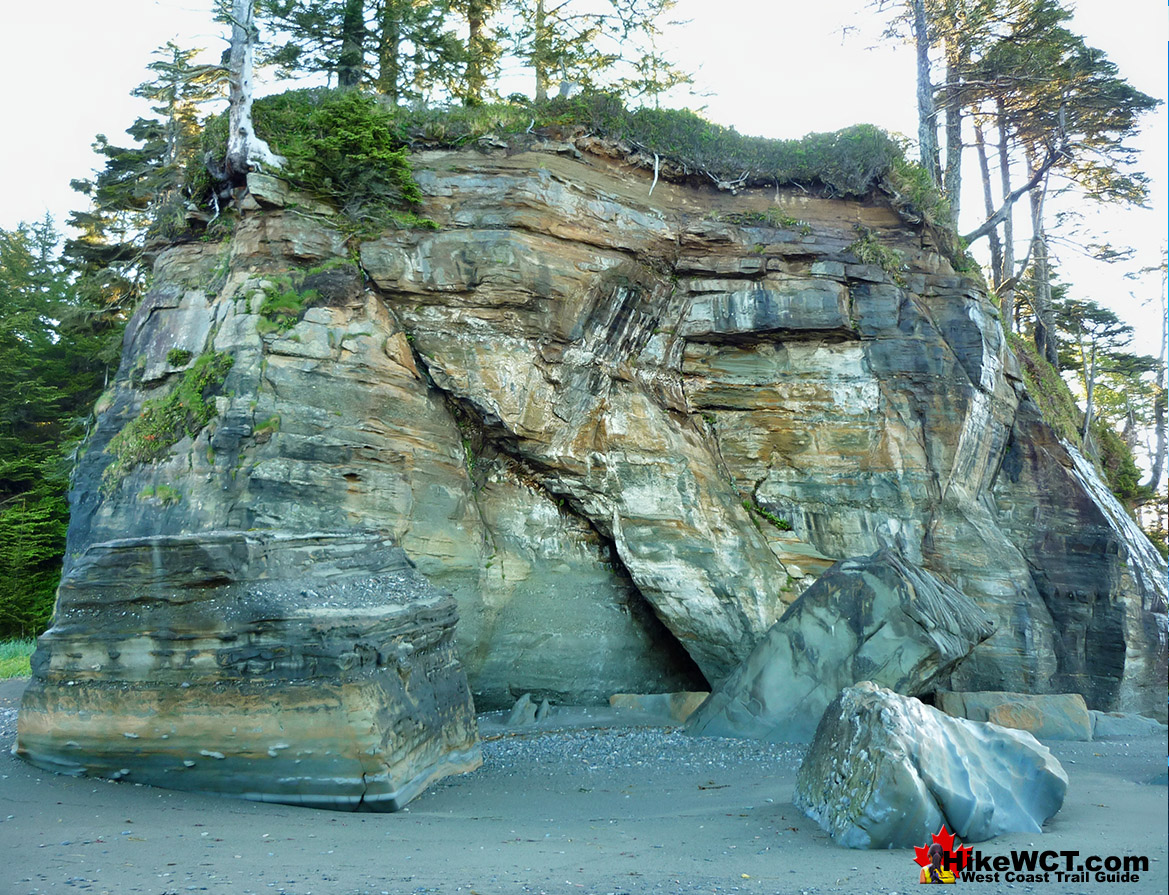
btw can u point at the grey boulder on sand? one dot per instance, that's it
(886, 771)
(878, 618)
(1053, 716)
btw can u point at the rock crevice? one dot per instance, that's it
(724, 407)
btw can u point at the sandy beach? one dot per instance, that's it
(589, 804)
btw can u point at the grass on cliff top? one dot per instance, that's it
(848, 162)
(14, 657)
(352, 149)
(851, 162)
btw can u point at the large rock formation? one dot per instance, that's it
(875, 618)
(886, 771)
(580, 408)
(313, 670)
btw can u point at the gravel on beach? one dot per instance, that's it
(585, 804)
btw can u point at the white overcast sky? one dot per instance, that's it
(776, 68)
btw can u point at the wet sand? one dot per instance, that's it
(606, 808)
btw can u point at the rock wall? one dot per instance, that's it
(627, 429)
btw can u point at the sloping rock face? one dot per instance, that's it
(579, 408)
(313, 670)
(874, 618)
(886, 771)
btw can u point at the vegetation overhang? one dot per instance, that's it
(334, 140)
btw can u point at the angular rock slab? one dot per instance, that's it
(314, 669)
(1057, 716)
(1123, 726)
(878, 618)
(886, 771)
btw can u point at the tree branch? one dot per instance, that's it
(1053, 156)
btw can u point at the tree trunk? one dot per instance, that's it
(997, 277)
(389, 73)
(1159, 427)
(1044, 327)
(476, 52)
(244, 148)
(927, 116)
(1007, 295)
(1090, 407)
(1160, 400)
(540, 52)
(352, 59)
(953, 177)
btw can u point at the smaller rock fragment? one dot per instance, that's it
(1123, 725)
(523, 712)
(1056, 716)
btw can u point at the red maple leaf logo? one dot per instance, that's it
(961, 854)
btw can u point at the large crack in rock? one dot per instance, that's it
(690, 380)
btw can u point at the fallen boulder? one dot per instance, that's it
(1056, 716)
(312, 669)
(886, 771)
(878, 618)
(1123, 726)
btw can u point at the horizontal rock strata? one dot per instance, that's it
(626, 430)
(314, 670)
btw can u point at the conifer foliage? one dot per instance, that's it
(50, 374)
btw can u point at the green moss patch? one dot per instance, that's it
(165, 494)
(753, 507)
(867, 249)
(1059, 409)
(162, 422)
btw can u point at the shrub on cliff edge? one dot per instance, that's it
(343, 146)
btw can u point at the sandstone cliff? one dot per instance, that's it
(623, 429)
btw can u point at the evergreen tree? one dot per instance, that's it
(50, 375)
(482, 50)
(593, 44)
(406, 50)
(138, 196)
(1095, 337)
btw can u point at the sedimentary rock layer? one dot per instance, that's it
(626, 430)
(316, 670)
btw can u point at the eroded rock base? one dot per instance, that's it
(313, 670)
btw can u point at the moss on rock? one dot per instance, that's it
(162, 422)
